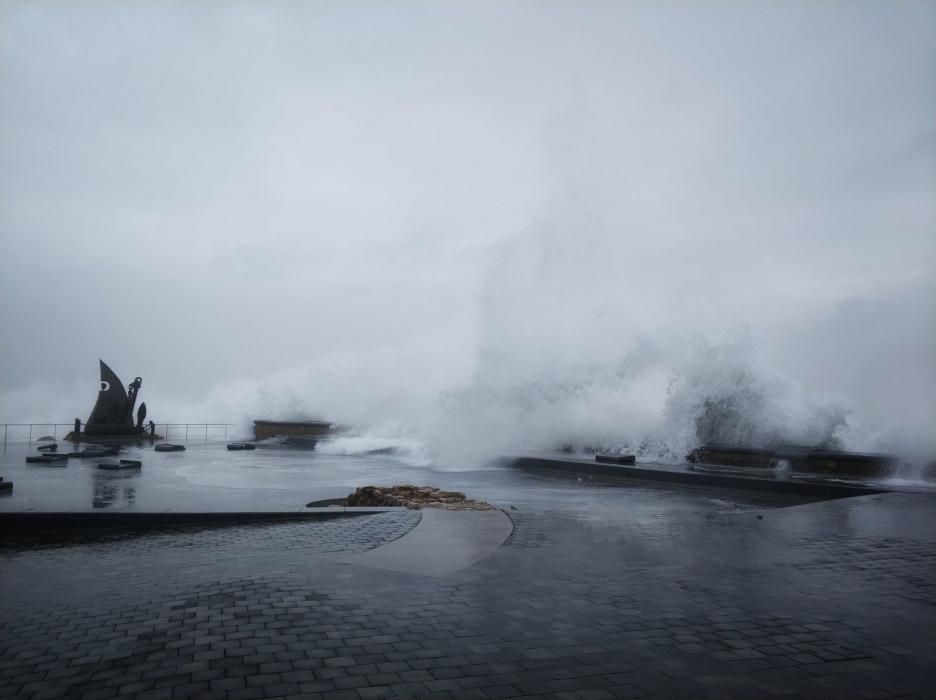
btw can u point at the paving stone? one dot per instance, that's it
(568, 606)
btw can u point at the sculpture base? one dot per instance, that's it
(105, 438)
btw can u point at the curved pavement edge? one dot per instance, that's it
(443, 542)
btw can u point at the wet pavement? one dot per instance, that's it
(209, 478)
(598, 592)
(206, 477)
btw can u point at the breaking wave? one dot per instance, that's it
(407, 450)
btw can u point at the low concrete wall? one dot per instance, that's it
(801, 459)
(688, 477)
(29, 522)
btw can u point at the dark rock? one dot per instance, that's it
(55, 460)
(233, 446)
(167, 447)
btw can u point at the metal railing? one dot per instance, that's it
(30, 431)
(181, 432)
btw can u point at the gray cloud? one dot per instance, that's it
(228, 196)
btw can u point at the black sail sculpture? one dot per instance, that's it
(113, 412)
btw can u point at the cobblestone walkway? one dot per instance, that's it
(350, 534)
(731, 605)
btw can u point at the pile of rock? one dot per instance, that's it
(414, 497)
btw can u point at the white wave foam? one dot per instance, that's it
(406, 450)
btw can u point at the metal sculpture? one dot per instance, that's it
(112, 414)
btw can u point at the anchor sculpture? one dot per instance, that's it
(112, 415)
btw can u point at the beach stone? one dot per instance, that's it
(414, 497)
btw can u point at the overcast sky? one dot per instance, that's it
(357, 207)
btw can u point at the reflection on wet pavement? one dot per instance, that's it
(207, 477)
(113, 489)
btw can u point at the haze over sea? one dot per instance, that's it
(477, 229)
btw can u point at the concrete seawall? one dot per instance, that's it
(686, 475)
